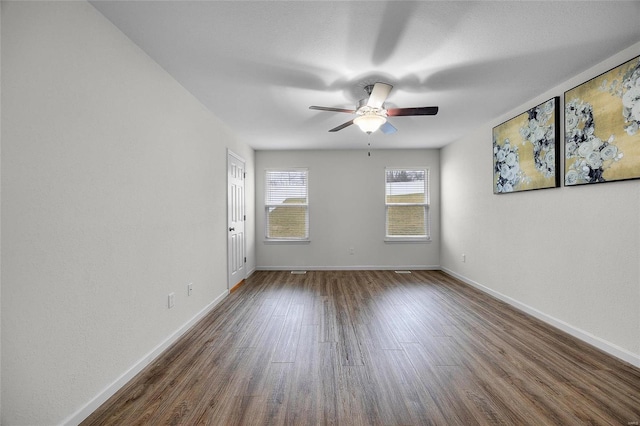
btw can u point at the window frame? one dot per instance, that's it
(268, 205)
(426, 205)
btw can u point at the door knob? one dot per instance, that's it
(232, 229)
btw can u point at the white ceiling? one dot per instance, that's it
(259, 65)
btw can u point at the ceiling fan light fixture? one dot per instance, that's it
(369, 123)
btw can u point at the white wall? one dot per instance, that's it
(346, 197)
(113, 196)
(568, 255)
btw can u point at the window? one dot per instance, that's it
(287, 204)
(407, 204)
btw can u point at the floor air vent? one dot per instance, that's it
(402, 272)
(298, 272)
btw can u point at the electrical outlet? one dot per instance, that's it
(172, 300)
(189, 289)
(464, 258)
(352, 251)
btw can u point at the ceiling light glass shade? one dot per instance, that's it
(369, 123)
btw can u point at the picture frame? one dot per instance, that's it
(602, 127)
(526, 154)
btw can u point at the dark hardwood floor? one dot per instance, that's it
(374, 348)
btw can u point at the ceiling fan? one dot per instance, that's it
(371, 113)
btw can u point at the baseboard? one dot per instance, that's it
(585, 336)
(84, 412)
(351, 268)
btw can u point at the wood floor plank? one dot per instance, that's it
(256, 328)
(358, 397)
(287, 345)
(349, 345)
(328, 320)
(374, 348)
(304, 403)
(453, 389)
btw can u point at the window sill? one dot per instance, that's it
(407, 240)
(276, 241)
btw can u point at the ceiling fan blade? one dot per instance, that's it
(342, 126)
(397, 112)
(320, 108)
(379, 95)
(387, 128)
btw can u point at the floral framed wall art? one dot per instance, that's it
(602, 127)
(525, 153)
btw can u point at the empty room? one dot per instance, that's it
(319, 212)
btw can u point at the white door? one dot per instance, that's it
(236, 217)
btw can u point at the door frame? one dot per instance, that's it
(239, 158)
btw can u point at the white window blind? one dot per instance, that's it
(287, 204)
(407, 203)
